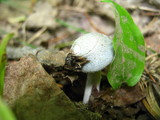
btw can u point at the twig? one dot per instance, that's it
(147, 71)
(77, 9)
(151, 14)
(17, 53)
(24, 31)
(148, 9)
(54, 40)
(87, 17)
(92, 24)
(149, 57)
(38, 34)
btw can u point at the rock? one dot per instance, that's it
(33, 94)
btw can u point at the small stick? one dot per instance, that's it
(87, 17)
(147, 71)
(38, 34)
(92, 24)
(149, 57)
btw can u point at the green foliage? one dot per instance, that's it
(128, 43)
(3, 1)
(5, 113)
(3, 45)
(15, 4)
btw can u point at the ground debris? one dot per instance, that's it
(50, 58)
(63, 66)
(40, 28)
(122, 97)
(152, 34)
(34, 95)
(124, 103)
(152, 100)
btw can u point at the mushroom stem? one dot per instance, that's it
(93, 79)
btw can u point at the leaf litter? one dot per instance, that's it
(126, 103)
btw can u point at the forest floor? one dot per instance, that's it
(48, 90)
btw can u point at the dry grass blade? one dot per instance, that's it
(38, 34)
(157, 89)
(151, 104)
(147, 71)
(151, 56)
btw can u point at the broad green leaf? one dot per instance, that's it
(128, 43)
(3, 45)
(5, 112)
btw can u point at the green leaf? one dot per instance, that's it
(128, 43)
(3, 45)
(5, 112)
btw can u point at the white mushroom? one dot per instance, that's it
(98, 49)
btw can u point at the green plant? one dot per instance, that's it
(3, 1)
(3, 45)
(5, 112)
(128, 43)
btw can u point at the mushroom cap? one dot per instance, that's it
(95, 47)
